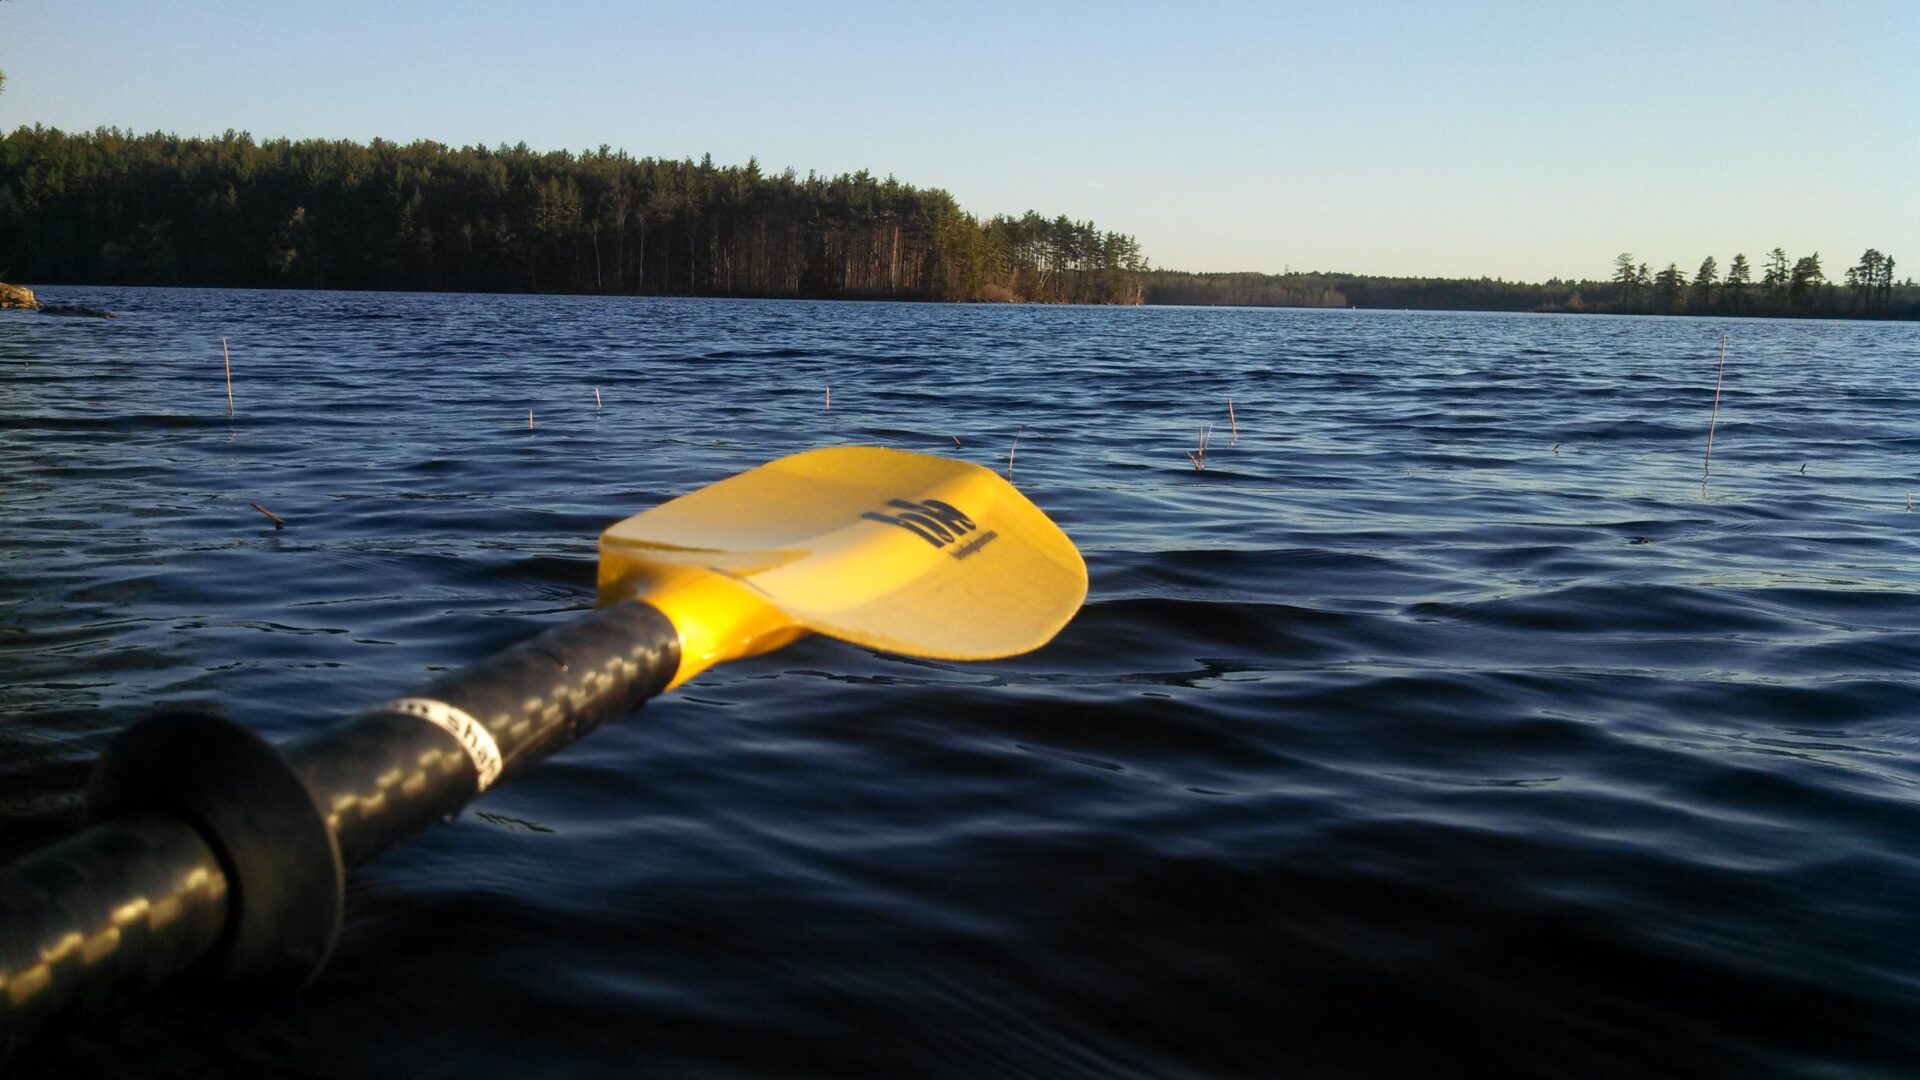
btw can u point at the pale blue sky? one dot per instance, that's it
(1521, 140)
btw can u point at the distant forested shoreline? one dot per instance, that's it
(115, 208)
(1783, 288)
(108, 207)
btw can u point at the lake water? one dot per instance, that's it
(1442, 723)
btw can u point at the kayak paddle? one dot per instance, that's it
(215, 852)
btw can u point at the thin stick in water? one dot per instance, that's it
(277, 520)
(1707, 468)
(529, 419)
(1010, 450)
(829, 407)
(1199, 457)
(596, 399)
(1234, 422)
(228, 357)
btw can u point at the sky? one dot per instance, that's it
(1514, 140)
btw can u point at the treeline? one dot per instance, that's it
(1348, 290)
(109, 207)
(1783, 287)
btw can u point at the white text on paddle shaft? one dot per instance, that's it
(474, 737)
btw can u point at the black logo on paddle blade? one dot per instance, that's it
(931, 520)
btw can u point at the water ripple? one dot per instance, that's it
(1442, 724)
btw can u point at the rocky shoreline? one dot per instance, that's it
(17, 296)
(21, 297)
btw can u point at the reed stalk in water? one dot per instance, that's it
(1707, 468)
(1199, 456)
(228, 358)
(1234, 422)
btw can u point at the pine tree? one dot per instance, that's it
(1778, 270)
(1703, 284)
(1667, 286)
(1738, 276)
(1806, 277)
(1863, 279)
(1626, 279)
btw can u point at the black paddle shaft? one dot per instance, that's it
(217, 852)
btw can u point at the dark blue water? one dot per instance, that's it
(1441, 724)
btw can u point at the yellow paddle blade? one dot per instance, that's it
(898, 551)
